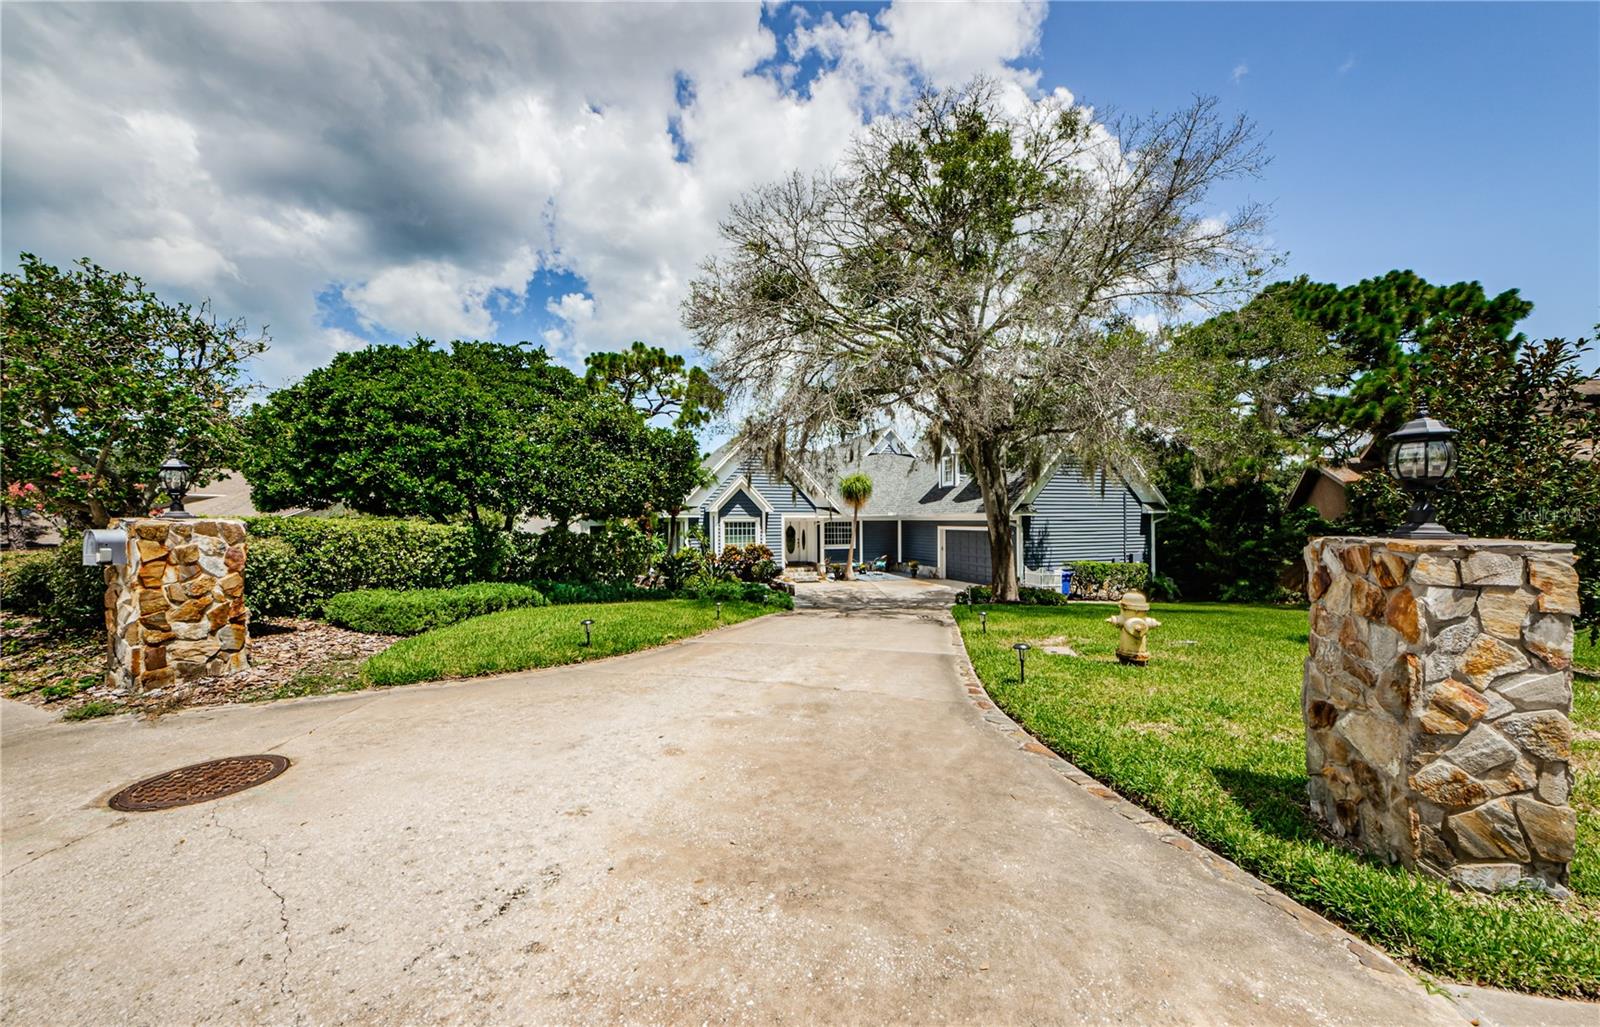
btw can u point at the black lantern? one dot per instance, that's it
(1422, 457)
(587, 623)
(175, 480)
(1022, 662)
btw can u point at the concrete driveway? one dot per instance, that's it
(801, 819)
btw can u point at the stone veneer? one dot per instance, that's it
(1436, 701)
(175, 610)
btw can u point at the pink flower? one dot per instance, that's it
(140, 487)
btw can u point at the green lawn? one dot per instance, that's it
(546, 636)
(1209, 736)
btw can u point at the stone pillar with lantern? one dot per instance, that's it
(1438, 687)
(174, 601)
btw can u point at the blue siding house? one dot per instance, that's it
(924, 507)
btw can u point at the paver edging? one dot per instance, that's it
(1217, 865)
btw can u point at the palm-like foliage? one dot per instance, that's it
(856, 491)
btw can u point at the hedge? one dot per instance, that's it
(343, 554)
(383, 611)
(1104, 580)
(1091, 579)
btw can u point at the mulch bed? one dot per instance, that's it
(288, 657)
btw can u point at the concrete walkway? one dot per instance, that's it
(800, 819)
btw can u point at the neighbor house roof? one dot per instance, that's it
(229, 496)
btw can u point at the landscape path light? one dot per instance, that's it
(1422, 457)
(175, 480)
(587, 638)
(1022, 661)
(983, 619)
(719, 611)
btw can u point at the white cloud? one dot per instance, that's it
(1348, 65)
(429, 159)
(1240, 70)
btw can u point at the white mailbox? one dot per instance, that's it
(104, 546)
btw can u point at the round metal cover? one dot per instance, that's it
(199, 782)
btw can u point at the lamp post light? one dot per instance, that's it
(175, 480)
(1022, 661)
(587, 638)
(1422, 456)
(719, 611)
(983, 619)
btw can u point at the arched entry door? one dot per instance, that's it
(800, 541)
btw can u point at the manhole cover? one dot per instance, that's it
(199, 782)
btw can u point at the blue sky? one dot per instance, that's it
(1461, 141)
(555, 173)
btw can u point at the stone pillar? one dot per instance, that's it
(175, 611)
(1436, 699)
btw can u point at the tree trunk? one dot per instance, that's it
(989, 469)
(855, 540)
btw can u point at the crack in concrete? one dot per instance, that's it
(65, 845)
(308, 732)
(283, 909)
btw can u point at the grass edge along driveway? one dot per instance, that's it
(532, 637)
(1210, 738)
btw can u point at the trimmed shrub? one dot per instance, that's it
(740, 591)
(1098, 579)
(564, 592)
(1026, 596)
(611, 555)
(273, 583)
(25, 582)
(344, 554)
(752, 562)
(382, 611)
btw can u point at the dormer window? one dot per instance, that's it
(947, 471)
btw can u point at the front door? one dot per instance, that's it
(800, 541)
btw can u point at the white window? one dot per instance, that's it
(836, 533)
(740, 532)
(947, 472)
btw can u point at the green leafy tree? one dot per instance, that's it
(100, 379)
(959, 268)
(656, 383)
(1250, 374)
(1527, 443)
(1231, 538)
(597, 459)
(1377, 326)
(856, 491)
(416, 431)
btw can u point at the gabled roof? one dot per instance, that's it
(905, 479)
(1342, 475)
(732, 451)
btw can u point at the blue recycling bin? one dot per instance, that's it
(1066, 581)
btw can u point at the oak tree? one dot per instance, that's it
(960, 268)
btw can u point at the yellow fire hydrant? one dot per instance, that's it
(1133, 617)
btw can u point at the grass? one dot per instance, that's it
(546, 636)
(325, 678)
(91, 709)
(1209, 736)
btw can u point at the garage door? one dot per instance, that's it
(966, 556)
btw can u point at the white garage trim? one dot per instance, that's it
(944, 528)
